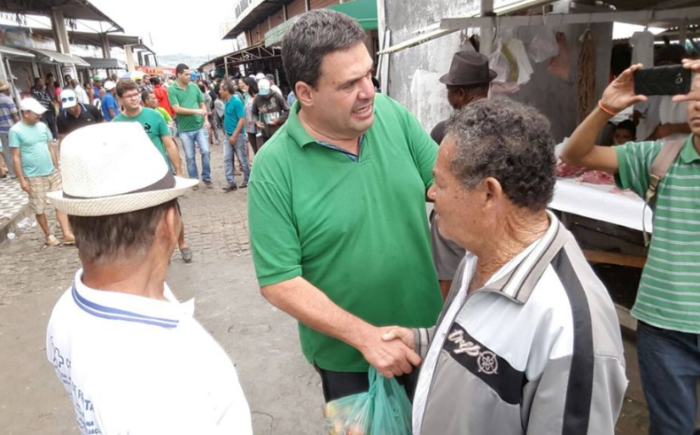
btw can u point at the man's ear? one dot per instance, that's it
(493, 190)
(304, 93)
(169, 227)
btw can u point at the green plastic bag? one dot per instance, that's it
(383, 410)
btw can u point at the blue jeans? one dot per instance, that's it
(669, 363)
(188, 139)
(240, 149)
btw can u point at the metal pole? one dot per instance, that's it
(225, 66)
(486, 32)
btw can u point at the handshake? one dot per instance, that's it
(390, 350)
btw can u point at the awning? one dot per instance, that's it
(102, 63)
(364, 11)
(56, 57)
(14, 52)
(275, 36)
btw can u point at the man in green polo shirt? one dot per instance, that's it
(337, 214)
(158, 131)
(187, 102)
(669, 292)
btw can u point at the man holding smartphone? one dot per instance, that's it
(667, 301)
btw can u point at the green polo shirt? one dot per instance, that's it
(355, 228)
(189, 98)
(669, 291)
(153, 124)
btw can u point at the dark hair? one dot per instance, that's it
(202, 88)
(314, 35)
(120, 236)
(670, 54)
(144, 95)
(508, 141)
(270, 77)
(252, 85)
(180, 68)
(627, 125)
(126, 85)
(36, 80)
(155, 80)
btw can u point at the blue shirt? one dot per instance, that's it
(233, 112)
(108, 101)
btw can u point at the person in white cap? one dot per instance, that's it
(110, 108)
(131, 357)
(270, 108)
(36, 165)
(74, 114)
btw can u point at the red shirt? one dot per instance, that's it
(162, 96)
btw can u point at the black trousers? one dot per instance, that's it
(337, 385)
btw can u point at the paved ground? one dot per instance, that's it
(282, 389)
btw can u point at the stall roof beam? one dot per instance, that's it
(649, 17)
(72, 9)
(654, 18)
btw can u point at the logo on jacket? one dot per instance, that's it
(486, 360)
(488, 363)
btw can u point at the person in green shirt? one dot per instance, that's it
(157, 130)
(35, 162)
(187, 102)
(666, 305)
(149, 99)
(337, 215)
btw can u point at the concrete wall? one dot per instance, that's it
(414, 72)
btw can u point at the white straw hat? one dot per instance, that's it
(114, 168)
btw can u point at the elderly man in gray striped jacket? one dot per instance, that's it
(528, 341)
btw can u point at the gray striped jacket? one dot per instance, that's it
(537, 352)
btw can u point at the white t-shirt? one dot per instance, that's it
(81, 95)
(139, 366)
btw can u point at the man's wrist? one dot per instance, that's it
(607, 109)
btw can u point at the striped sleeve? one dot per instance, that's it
(422, 338)
(634, 161)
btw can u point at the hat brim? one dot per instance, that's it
(37, 111)
(120, 203)
(452, 81)
(4, 88)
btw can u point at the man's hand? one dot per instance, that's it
(694, 66)
(232, 140)
(260, 125)
(392, 358)
(404, 334)
(24, 185)
(203, 112)
(620, 95)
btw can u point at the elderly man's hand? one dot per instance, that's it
(397, 332)
(620, 95)
(390, 358)
(694, 66)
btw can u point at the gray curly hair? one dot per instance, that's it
(508, 141)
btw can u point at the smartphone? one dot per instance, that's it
(662, 80)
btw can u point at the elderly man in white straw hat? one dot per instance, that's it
(36, 165)
(132, 358)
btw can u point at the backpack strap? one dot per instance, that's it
(659, 168)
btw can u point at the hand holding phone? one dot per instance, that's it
(663, 80)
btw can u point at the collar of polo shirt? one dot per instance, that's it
(131, 308)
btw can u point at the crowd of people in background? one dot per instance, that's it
(240, 113)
